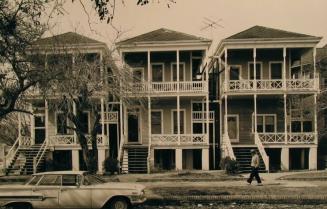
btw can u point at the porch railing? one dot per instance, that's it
(262, 151)
(291, 138)
(202, 115)
(173, 139)
(170, 87)
(25, 141)
(11, 153)
(39, 156)
(70, 140)
(267, 85)
(110, 117)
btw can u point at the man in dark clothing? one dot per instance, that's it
(255, 162)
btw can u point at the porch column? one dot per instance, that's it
(121, 130)
(74, 112)
(101, 158)
(102, 121)
(255, 113)
(316, 80)
(285, 159)
(46, 107)
(284, 68)
(226, 71)
(75, 160)
(178, 101)
(285, 119)
(179, 159)
(255, 68)
(32, 125)
(313, 158)
(315, 119)
(149, 133)
(205, 159)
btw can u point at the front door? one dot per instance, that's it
(233, 128)
(39, 128)
(133, 127)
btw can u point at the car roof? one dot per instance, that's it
(61, 173)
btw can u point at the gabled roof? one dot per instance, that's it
(163, 35)
(69, 38)
(261, 32)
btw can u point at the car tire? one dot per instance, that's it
(119, 203)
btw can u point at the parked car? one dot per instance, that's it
(70, 189)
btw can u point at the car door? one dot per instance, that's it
(48, 188)
(72, 194)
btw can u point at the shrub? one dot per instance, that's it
(230, 166)
(111, 165)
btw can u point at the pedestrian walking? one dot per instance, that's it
(255, 162)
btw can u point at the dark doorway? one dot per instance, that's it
(133, 127)
(274, 159)
(299, 158)
(113, 139)
(62, 160)
(39, 128)
(164, 159)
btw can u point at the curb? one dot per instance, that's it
(190, 180)
(270, 199)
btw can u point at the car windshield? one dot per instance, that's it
(90, 179)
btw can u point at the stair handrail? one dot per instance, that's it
(11, 153)
(227, 147)
(39, 156)
(262, 151)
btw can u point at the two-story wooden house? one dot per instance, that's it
(268, 96)
(46, 139)
(169, 130)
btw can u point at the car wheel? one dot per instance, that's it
(119, 203)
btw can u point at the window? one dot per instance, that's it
(50, 180)
(85, 122)
(156, 122)
(181, 71)
(234, 72)
(34, 180)
(233, 127)
(276, 70)
(266, 123)
(93, 179)
(61, 123)
(71, 180)
(301, 126)
(182, 122)
(157, 72)
(257, 69)
(196, 68)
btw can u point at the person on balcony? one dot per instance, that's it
(255, 163)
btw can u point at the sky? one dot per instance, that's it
(188, 16)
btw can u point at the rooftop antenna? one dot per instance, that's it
(211, 24)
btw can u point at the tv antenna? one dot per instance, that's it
(211, 24)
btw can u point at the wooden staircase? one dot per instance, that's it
(243, 157)
(23, 161)
(135, 159)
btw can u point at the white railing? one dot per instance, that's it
(11, 153)
(267, 85)
(37, 159)
(201, 116)
(25, 141)
(301, 138)
(173, 139)
(100, 140)
(292, 138)
(110, 117)
(227, 149)
(262, 151)
(62, 140)
(170, 87)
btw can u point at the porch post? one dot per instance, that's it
(101, 159)
(315, 120)
(285, 119)
(178, 101)
(32, 125)
(316, 86)
(75, 160)
(19, 125)
(102, 121)
(285, 159)
(313, 158)
(74, 112)
(284, 68)
(226, 86)
(149, 116)
(46, 107)
(179, 159)
(205, 159)
(255, 68)
(121, 129)
(255, 114)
